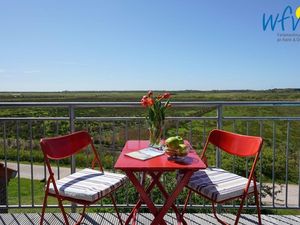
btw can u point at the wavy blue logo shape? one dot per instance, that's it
(286, 19)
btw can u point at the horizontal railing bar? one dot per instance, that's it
(140, 118)
(135, 104)
(260, 118)
(100, 118)
(67, 104)
(33, 118)
(143, 118)
(108, 118)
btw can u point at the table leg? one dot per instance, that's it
(171, 198)
(166, 195)
(139, 203)
(144, 196)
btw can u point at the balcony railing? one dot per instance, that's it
(278, 122)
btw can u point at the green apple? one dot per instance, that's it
(180, 140)
(172, 143)
(182, 150)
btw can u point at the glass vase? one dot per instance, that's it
(155, 134)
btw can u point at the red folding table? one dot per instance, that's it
(155, 167)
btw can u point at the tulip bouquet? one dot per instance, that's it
(156, 115)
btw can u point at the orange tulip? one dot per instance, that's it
(150, 101)
(159, 97)
(144, 101)
(166, 95)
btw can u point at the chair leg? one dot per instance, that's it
(116, 209)
(62, 209)
(82, 215)
(240, 209)
(257, 202)
(44, 208)
(186, 202)
(215, 214)
(60, 206)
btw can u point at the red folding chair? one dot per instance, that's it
(218, 185)
(84, 187)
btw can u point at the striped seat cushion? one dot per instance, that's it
(218, 184)
(88, 184)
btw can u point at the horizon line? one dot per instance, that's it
(142, 90)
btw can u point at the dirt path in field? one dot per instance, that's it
(38, 171)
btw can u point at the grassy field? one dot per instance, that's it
(123, 96)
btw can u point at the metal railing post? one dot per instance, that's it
(72, 129)
(73, 159)
(219, 126)
(218, 152)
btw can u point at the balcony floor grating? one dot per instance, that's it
(143, 219)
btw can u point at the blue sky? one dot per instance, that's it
(141, 45)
